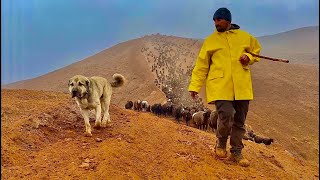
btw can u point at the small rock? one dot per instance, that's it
(98, 140)
(84, 165)
(87, 160)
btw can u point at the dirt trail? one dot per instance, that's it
(42, 138)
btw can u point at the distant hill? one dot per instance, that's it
(299, 45)
(286, 104)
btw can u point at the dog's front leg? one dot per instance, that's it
(85, 114)
(98, 117)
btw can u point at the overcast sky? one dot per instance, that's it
(40, 36)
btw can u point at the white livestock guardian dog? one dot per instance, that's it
(94, 93)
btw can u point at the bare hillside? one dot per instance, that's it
(286, 104)
(124, 58)
(299, 45)
(42, 138)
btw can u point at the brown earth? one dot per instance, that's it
(42, 138)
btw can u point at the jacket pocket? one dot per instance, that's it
(215, 74)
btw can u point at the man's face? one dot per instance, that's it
(221, 24)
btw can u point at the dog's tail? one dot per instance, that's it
(118, 80)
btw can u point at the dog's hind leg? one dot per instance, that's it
(97, 123)
(105, 108)
(85, 114)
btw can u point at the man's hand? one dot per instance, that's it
(194, 95)
(244, 59)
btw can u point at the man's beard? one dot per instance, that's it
(220, 29)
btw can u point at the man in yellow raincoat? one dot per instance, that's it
(223, 64)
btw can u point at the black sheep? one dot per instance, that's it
(129, 105)
(187, 116)
(156, 109)
(177, 112)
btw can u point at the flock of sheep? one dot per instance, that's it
(201, 118)
(170, 60)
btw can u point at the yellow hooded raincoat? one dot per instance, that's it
(218, 63)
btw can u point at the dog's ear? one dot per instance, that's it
(69, 82)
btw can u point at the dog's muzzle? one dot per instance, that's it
(74, 93)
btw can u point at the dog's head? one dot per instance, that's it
(78, 86)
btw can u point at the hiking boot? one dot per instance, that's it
(220, 150)
(239, 159)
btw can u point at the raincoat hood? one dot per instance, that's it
(234, 26)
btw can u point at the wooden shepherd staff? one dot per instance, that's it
(269, 58)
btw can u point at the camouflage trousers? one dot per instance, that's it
(231, 119)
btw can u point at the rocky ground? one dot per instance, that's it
(42, 138)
